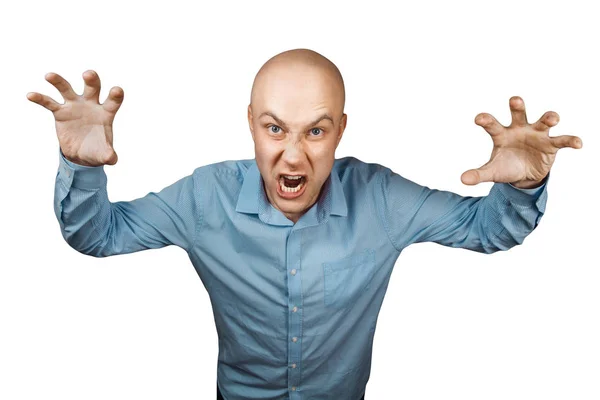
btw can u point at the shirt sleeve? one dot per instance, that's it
(92, 225)
(412, 213)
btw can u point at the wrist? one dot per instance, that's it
(528, 183)
(77, 161)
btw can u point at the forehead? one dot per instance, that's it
(296, 88)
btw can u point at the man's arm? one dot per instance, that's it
(412, 213)
(521, 159)
(92, 225)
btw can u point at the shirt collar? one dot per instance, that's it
(253, 200)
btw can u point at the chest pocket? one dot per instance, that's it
(346, 279)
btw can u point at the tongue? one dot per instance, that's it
(291, 183)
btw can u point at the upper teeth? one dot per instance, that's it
(293, 177)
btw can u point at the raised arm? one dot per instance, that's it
(92, 225)
(520, 165)
(413, 213)
(89, 222)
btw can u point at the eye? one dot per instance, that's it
(316, 131)
(275, 130)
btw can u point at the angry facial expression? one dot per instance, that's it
(297, 122)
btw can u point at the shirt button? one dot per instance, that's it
(294, 339)
(293, 272)
(294, 309)
(294, 365)
(293, 388)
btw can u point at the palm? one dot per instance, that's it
(83, 125)
(523, 153)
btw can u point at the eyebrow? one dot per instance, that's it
(283, 125)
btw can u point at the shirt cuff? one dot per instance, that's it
(525, 197)
(80, 176)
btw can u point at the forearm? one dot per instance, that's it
(517, 212)
(82, 207)
(93, 225)
(413, 213)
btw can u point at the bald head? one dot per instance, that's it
(300, 65)
(296, 117)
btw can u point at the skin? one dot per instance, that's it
(297, 87)
(523, 153)
(83, 125)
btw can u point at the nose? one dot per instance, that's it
(293, 153)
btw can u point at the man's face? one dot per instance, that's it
(296, 119)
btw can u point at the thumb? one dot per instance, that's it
(475, 176)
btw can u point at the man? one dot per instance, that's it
(294, 247)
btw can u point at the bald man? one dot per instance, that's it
(294, 247)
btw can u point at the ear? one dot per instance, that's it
(250, 118)
(343, 122)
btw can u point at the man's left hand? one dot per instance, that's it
(523, 153)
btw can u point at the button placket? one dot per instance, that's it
(294, 283)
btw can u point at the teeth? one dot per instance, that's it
(293, 176)
(287, 189)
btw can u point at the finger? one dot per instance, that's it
(62, 85)
(566, 141)
(475, 176)
(91, 91)
(43, 101)
(114, 100)
(517, 110)
(547, 121)
(489, 123)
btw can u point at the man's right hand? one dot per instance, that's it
(83, 125)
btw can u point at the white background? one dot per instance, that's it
(455, 324)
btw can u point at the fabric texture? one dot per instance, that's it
(295, 305)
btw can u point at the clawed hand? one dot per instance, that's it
(523, 153)
(83, 125)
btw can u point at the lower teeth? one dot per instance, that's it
(289, 189)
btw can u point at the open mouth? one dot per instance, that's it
(291, 183)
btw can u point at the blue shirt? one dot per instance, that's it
(295, 305)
